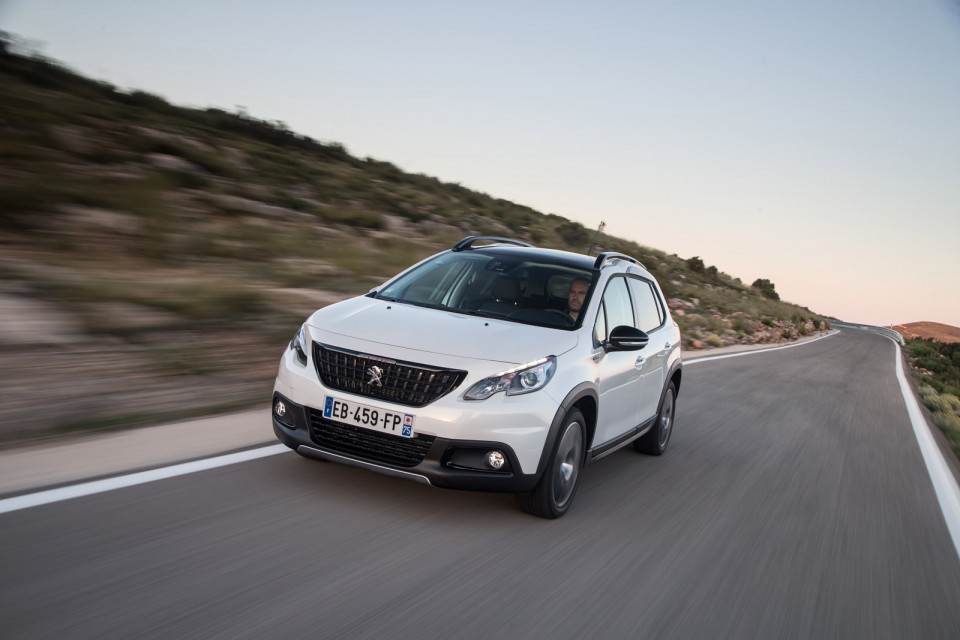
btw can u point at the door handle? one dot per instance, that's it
(639, 362)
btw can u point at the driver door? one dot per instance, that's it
(620, 374)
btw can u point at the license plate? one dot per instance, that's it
(361, 415)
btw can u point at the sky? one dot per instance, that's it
(815, 144)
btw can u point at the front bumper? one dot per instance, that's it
(437, 461)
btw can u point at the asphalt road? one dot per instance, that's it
(792, 503)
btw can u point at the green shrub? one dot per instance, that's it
(766, 288)
(745, 325)
(953, 402)
(938, 404)
(364, 218)
(574, 235)
(212, 301)
(949, 423)
(714, 341)
(207, 159)
(922, 349)
(708, 324)
(106, 154)
(926, 390)
(184, 360)
(411, 213)
(283, 198)
(934, 364)
(18, 201)
(188, 179)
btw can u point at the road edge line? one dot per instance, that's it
(69, 492)
(944, 484)
(756, 351)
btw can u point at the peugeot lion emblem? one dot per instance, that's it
(375, 373)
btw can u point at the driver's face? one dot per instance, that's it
(578, 291)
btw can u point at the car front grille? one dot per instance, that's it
(367, 444)
(408, 383)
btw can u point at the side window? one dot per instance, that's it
(649, 314)
(616, 302)
(600, 328)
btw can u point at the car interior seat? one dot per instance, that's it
(503, 298)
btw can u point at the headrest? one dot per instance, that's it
(506, 289)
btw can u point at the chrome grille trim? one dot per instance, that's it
(407, 383)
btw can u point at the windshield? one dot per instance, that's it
(487, 284)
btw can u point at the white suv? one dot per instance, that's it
(473, 369)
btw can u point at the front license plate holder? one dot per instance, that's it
(367, 417)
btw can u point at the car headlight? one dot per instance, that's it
(523, 379)
(299, 344)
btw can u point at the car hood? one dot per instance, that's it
(409, 327)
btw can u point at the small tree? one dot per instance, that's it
(695, 264)
(573, 233)
(766, 288)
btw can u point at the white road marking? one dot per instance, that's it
(109, 484)
(944, 483)
(687, 362)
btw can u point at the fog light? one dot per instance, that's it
(280, 409)
(495, 460)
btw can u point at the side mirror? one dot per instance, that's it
(626, 338)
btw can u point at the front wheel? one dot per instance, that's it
(655, 441)
(553, 494)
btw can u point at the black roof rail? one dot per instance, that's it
(613, 255)
(467, 243)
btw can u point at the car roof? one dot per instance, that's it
(535, 254)
(564, 258)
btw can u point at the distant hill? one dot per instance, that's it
(933, 330)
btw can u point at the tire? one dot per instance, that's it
(655, 441)
(554, 493)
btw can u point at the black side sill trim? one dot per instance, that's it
(613, 445)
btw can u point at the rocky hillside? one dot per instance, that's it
(154, 259)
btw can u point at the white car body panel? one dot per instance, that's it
(411, 329)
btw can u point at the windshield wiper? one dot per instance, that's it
(481, 313)
(425, 305)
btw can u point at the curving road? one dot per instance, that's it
(793, 503)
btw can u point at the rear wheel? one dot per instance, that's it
(553, 494)
(655, 441)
